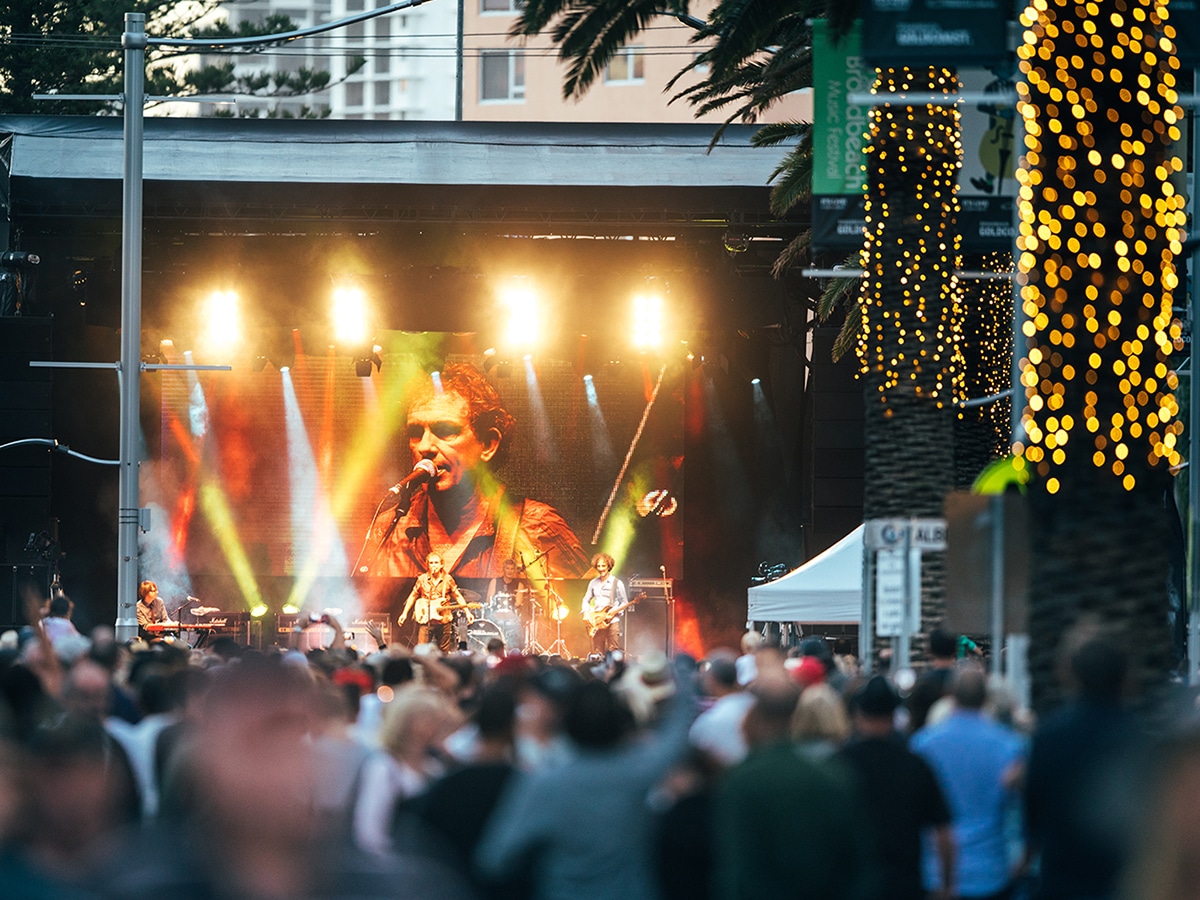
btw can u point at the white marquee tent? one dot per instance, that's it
(826, 589)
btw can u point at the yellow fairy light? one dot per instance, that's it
(1108, 83)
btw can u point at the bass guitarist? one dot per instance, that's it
(434, 601)
(603, 602)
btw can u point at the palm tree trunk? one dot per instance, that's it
(909, 348)
(1100, 223)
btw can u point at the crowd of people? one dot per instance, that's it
(153, 769)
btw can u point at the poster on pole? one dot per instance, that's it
(839, 140)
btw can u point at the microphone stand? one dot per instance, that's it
(532, 647)
(552, 596)
(403, 503)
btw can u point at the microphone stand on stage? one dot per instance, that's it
(557, 607)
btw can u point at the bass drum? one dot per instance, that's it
(480, 632)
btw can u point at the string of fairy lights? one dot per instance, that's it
(1100, 222)
(912, 242)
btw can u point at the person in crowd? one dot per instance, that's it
(57, 623)
(451, 815)
(603, 602)
(436, 602)
(338, 759)
(934, 682)
(717, 732)
(150, 609)
(845, 660)
(821, 724)
(786, 825)
(1086, 772)
(901, 795)
(978, 763)
(586, 819)
(459, 424)
(415, 725)
(249, 826)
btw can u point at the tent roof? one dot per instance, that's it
(827, 588)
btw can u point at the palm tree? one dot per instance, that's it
(1100, 224)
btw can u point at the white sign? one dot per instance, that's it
(891, 592)
(919, 534)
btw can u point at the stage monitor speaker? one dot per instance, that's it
(647, 627)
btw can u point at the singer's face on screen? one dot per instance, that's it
(439, 430)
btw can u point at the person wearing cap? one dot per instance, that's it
(902, 796)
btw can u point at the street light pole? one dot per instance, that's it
(129, 371)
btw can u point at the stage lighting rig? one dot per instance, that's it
(364, 362)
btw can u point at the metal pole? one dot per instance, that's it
(458, 64)
(1193, 470)
(997, 504)
(134, 42)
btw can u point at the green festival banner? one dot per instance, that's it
(839, 139)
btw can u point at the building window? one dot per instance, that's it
(383, 62)
(383, 93)
(627, 67)
(502, 75)
(499, 6)
(354, 93)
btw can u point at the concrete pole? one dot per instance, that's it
(128, 516)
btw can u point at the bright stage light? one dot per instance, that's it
(223, 323)
(259, 611)
(522, 327)
(349, 315)
(647, 321)
(290, 609)
(756, 381)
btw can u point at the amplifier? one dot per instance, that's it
(646, 584)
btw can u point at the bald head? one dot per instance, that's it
(970, 688)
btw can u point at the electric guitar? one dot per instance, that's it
(431, 611)
(602, 618)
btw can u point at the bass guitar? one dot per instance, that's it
(602, 618)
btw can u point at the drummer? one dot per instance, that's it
(510, 590)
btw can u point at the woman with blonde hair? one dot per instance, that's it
(414, 727)
(821, 723)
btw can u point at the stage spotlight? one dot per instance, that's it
(223, 327)
(647, 321)
(349, 315)
(259, 611)
(522, 328)
(258, 364)
(290, 609)
(756, 381)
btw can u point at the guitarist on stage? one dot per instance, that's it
(602, 604)
(437, 600)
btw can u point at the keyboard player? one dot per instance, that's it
(150, 609)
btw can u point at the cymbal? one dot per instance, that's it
(470, 596)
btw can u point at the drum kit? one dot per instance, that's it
(514, 619)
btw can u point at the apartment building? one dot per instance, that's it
(511, 79)
(405, 65)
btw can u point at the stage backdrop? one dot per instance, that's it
(267, 480)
